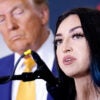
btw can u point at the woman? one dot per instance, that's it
(77, 44)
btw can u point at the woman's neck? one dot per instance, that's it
(85, 89)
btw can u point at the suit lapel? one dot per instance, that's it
(6, 66)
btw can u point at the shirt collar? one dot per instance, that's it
(46, 51)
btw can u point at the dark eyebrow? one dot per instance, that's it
(58, 34)
(71, 30)
(75, 28)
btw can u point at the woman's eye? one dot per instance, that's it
(57, 42)
(77, 35)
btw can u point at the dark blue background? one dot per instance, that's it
(59, 6)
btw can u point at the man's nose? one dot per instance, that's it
(11, 23)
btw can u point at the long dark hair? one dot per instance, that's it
(90, 21)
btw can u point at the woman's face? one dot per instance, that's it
(72, 52)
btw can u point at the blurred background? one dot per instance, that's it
(56, 8)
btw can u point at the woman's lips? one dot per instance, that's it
(67, 60)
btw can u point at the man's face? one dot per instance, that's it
(21, 25)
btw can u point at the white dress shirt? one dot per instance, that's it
(46, 52)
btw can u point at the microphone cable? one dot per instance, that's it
(6, 79)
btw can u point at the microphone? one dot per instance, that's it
(42, 71)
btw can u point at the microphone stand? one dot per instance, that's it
(42, 72)
(54, 86)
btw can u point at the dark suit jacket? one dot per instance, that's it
(6, 67)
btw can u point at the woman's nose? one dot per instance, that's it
(67, 47)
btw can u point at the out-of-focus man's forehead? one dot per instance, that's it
(8, 5)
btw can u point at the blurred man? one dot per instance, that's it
(24, 25)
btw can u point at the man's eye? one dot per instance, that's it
(58, 42)
(1, 19)
(77, 36)
(18, 11)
